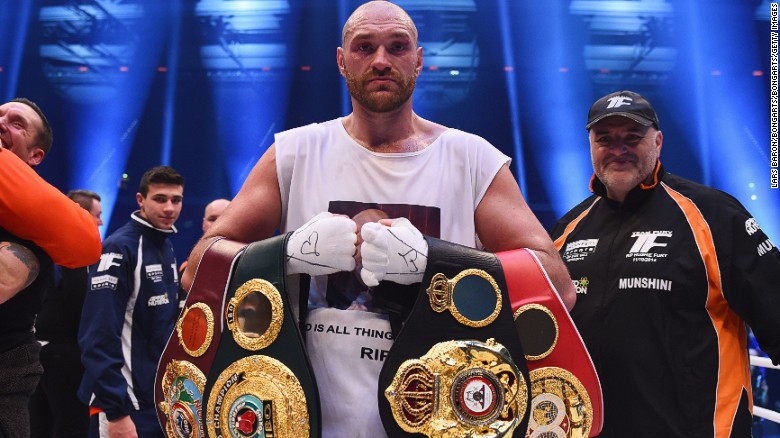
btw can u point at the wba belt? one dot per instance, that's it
(254, 380)
(457, 367)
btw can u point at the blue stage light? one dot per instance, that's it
(100, 57)
(721, 107)
(13, 33)
(518, 160)
(247, 55)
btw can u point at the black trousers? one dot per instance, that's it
(55, 410)
(20, 371)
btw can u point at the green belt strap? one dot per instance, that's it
(255, 359)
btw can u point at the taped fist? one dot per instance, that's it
(324, 245)
(398, 253)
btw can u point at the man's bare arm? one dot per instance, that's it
(254, 214)
(18, 268)
(505, 222)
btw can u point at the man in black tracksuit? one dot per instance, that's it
(55, 409)
(667, 273)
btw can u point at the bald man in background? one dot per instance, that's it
(213, 211)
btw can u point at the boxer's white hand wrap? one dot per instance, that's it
(324, 245)
(398, 253)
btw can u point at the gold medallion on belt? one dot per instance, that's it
(457, 389)
(257, 396)
(182, 387)
(472, 297)
(560, 405)
(255, 314)
(195, 329)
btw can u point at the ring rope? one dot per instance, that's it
(769, 414)
(758, 411)
(763, 362)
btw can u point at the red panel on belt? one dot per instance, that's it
(547, 332)
(197, 335)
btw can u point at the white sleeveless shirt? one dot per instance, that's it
(321, 168)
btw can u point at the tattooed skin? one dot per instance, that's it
(24, 255)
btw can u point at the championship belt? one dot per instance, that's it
(259, 382)
(187, 358)
(565, 390)
(456, 368)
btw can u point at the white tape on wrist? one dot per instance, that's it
(324, 245)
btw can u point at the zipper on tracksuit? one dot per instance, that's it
(604, 302)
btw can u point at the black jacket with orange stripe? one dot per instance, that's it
(666, 282)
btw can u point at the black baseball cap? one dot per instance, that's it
(623, 103)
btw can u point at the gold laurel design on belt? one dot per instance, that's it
(560, 405)
(173, 388)
(209, 316)
(435, 395)
(441, 296)
(255, 341)
(549, 313)
(261, 379)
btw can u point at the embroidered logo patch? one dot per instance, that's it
(647, 246)
(577, 251)
(154, 272)
(581, 285)
(645, 283)
(107, 261)
(158, 300)
(104, 281)
(751, 226)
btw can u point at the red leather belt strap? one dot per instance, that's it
(208, 287)
(527, 283)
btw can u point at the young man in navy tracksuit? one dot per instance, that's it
(130, 310)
